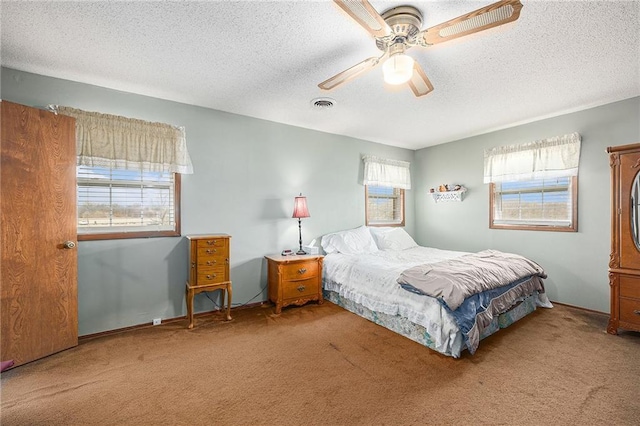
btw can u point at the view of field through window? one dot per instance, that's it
(538, 201)
(112, 200)
(384, 205)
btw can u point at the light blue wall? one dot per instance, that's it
(247, 172)
(575, 262)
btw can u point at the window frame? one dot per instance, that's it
(368, 222)
(140, 234)
(573, 227)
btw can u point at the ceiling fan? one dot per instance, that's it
(398, 29)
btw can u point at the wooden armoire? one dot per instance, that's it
(39, 302)
(624, 263)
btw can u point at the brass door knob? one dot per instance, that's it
(68, 245)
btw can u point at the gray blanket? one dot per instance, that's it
(456, 279)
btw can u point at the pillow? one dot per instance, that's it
(377, 232)
(394, 239)
(352, 241)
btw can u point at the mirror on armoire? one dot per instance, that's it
(635, 210)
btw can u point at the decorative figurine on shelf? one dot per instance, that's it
(447, 192)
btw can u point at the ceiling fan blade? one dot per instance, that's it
(351, 73)
(482, 19)
(365, 15)
(419, 83)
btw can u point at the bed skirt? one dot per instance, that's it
(418, 333)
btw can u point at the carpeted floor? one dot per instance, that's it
(323, 365)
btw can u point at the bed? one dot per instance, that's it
(361, 273)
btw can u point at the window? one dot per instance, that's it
(534, 185)
(385, 181)
(117, 203)
(128, 175)
(543, 204)
(384, 206)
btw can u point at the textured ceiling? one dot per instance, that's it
(265, 58)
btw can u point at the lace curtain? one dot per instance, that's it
(104, 140)
(383, 172)
(542, 159)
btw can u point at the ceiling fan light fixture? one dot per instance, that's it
(398, 69)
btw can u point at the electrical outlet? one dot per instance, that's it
(157, 321)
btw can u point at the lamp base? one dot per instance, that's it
(300, 252)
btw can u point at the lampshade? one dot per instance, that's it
(398, 69)
(300, 207)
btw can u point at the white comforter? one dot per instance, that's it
(370, 280)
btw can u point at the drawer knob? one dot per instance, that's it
(211, 242)
(637, 312)
(301, 288)
(302, 271)
(211, 276)
(210, 251)
(211, 262)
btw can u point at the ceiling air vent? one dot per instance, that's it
(322, 103)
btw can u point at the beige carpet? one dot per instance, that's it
(324, 365)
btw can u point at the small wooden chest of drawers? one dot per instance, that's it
(294, 280)
(208, 269)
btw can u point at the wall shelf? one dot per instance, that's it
(448, 196)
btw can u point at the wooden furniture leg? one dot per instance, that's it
(190, 294)
(228, 301)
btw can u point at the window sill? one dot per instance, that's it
(535, 228)
(127, 235)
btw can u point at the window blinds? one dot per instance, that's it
(112, 200)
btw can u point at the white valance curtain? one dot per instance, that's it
(104, 140)
(384, 172)
(542, 159)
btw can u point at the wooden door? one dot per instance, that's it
(39, 302)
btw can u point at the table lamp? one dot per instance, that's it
(300, 210)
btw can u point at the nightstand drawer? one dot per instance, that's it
(630, 311)
(219, 268)
(300, 271)
(211, 277)
(204, 252)
(630, 287)
(212, 242)
(212, 262)
(303, 288)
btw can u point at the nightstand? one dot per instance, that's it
(208, 269)
(294, 280)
